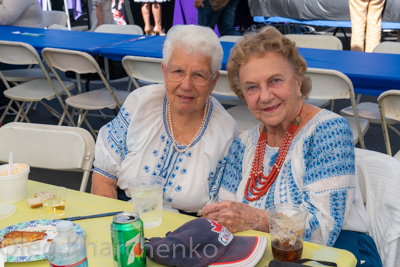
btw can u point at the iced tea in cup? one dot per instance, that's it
(53, 200)
(286, 227)
(147, 198)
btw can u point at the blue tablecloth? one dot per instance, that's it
(74, 40)
(325, 23)
(371, 73)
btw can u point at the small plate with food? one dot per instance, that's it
(30, 241)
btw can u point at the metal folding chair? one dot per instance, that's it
(83, 63)
(31, 91)
(50, 147)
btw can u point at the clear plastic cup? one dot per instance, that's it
(13, 187)
(147, 198)
(53, 200)
(286, 227)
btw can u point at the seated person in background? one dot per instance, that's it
(298, 154)
(23, 13)
(175, 130)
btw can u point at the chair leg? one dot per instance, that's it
(81, 117)
(84, 182)
(54, 112)
(90, 128)
(24, 113)
(394, 129)
(21, 113)
(6, 110)
(332, 104)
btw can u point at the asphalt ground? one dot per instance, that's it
(373, 138)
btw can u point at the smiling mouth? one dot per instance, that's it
(185, 97)
(271, 108)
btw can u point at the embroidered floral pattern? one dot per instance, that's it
(117, 131)
(329, 151)
(327, 158)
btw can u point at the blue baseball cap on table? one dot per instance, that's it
(203, 242)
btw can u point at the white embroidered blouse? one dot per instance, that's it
(138, 142)
(318, 173)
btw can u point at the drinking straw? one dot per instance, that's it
(10, 163)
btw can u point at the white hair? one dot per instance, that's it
(194, 39)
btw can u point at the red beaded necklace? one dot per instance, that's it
(256, 173)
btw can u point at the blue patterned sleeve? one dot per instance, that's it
(111, 145)
(329, 179)
(229, 176)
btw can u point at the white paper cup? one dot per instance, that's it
(13, 187)
(147, 198)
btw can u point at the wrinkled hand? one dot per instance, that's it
(236, 216)
(198, 3)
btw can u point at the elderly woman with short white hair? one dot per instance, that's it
(175, 130)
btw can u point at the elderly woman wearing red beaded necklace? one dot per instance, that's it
(298, 154)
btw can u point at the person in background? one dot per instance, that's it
(366, 23)
(101, 13)
(298, 154)
(119, 12)
(222, 15)
(175, 130)
(155, 7)
(23, 13)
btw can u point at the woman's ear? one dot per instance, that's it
(299, 84)
(164, 72)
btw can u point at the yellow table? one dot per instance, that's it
(97, 230)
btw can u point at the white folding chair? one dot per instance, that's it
(58, 27)
(83, 63)
(317, 42)
(49, 147)
(226, 96)
(389, 109)
(332, 84)
(369, 110)
(146, 70)
(223, 93)
(51, 17)
(33, 91)
(230, 38)
(122, 29)
(379, 179)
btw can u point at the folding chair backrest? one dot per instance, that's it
(388, 48)
(330, 84)
(230, 38)
(316, 41)
(18, 53)
(51, 17)
(70, 60)
(144, 68)
(222, 86)
(223, 93)
(389, 107)
(49, 147)
(333, 84)
(121, 29)
(58, 27)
